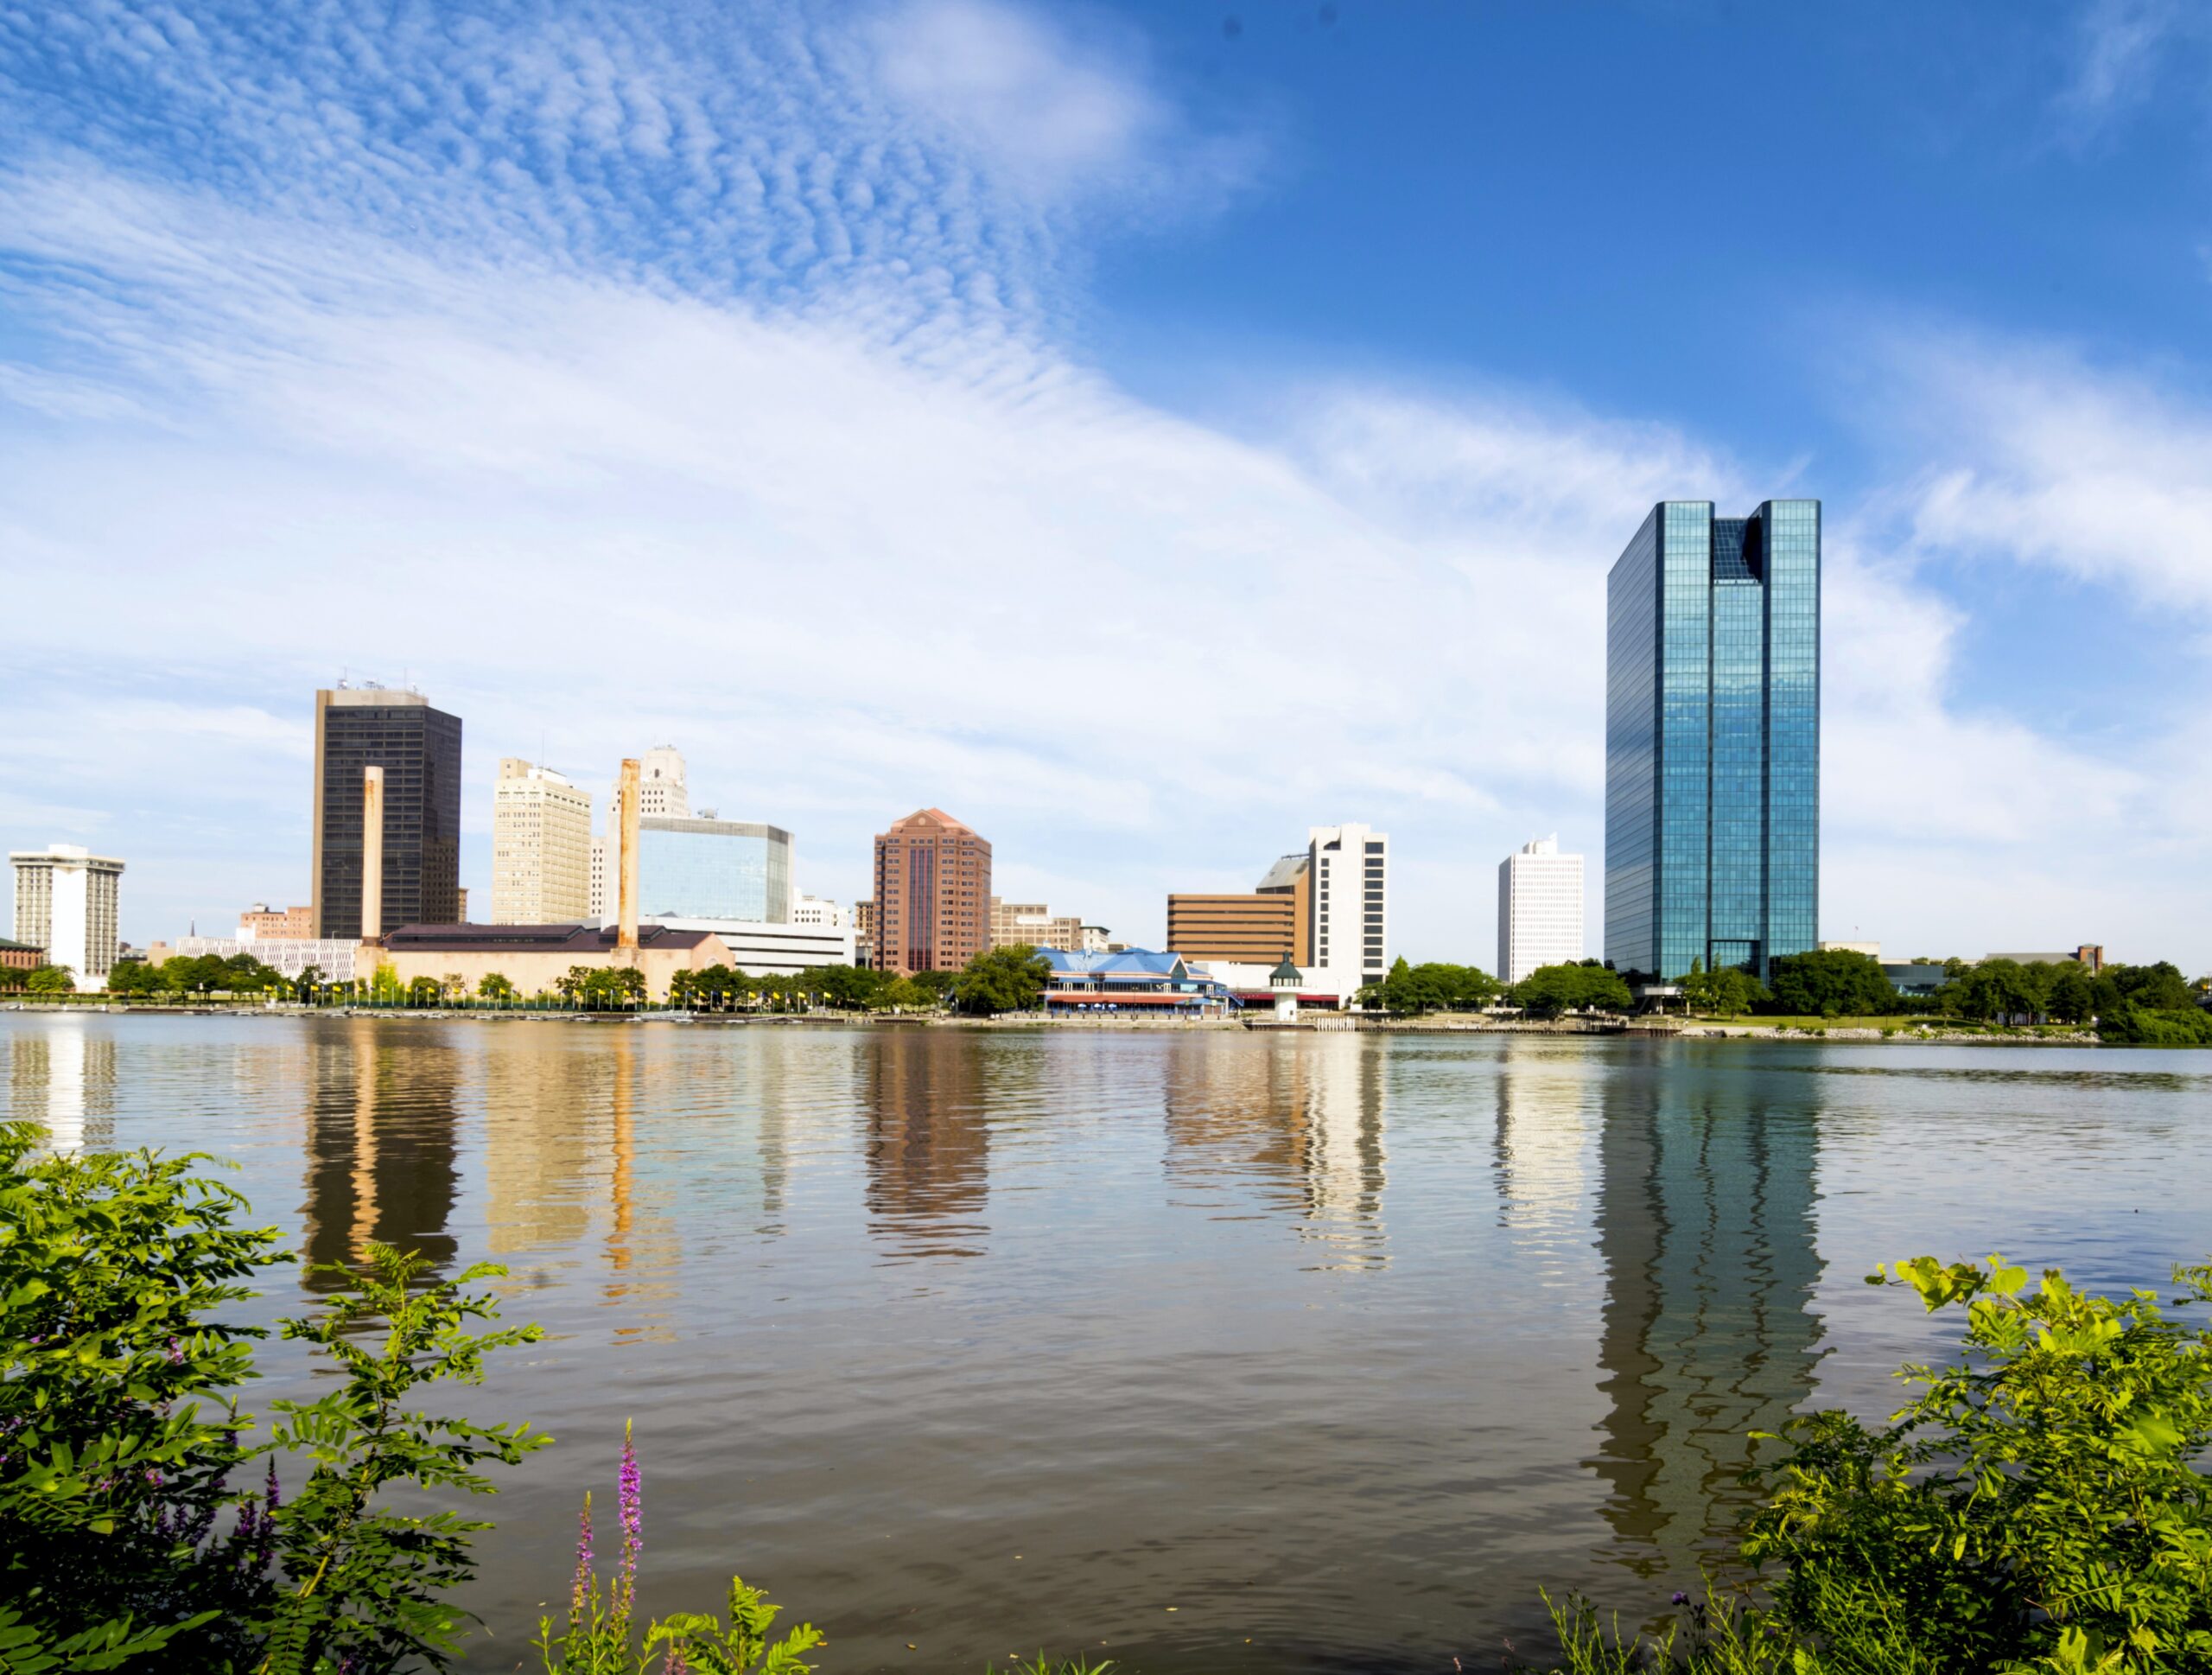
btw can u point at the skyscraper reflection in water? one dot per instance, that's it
(1338, 1100)
(928, 1143)
(61, 1076)
(1300, 1117)
(1705, 1213)
(380, 1166)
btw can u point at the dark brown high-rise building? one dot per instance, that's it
(419, 750)
(932, 895)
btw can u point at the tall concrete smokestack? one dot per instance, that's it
(626, 919)
(372, 854)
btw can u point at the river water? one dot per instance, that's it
(1204, 1352)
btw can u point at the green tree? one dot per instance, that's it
(425, 992)
(904, 994)
(1831, 982)
(308, 983)
(496, 986)
(2156, 988)
(1551, 989)
(937, 985)
(2071, 999)
(848, 988)
(1008, 979)
(720, 987)
(1727, 993)
(593, 986)
(1435, 987)
(366, 1586)
(49, 980)
(2000, 989)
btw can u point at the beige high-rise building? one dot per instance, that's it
(663, 792)
(1035, 924)
(540, 846)
(275, 924)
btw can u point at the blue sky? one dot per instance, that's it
(1145, 431)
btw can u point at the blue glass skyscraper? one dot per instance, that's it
(1712, 739)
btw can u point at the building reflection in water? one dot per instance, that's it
(643, 1250)
(380, 1139)
(61, 1076)
(1706, 1227)
(1301, 1116)
(544, 1155)
(928, 1142)
(1545, 1118)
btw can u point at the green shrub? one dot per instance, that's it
(2133, 1026)
(2039, 1506)
(119, 1432)
(123, 1540)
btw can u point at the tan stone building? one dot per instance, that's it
(1035, 924)
(932, 895)
(540, 846)
(262, 922)
(535, 957)
(1273, 922)
(1251, 929)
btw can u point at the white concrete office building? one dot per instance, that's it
(291, 956)
(1539, 909)
(818, 912)
(1349, 868)
(664, 792)
(759, 949)
(65, 904)
(540, 846)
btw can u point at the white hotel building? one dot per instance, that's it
(65, 904)
(1539, 909)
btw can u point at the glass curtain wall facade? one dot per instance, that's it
(1713, 721)
(698, 868)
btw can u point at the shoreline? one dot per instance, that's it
(1648, 1030)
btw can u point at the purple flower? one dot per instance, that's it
(632, 1500)
(583, 1566)
(1681, 1598)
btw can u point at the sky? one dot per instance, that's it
(1144, 431)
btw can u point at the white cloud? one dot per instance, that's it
(2120, 43)
(654, 387)
(1052, 115)
(2028, 454)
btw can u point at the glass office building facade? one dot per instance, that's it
(1712, 739)
(699, 868)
